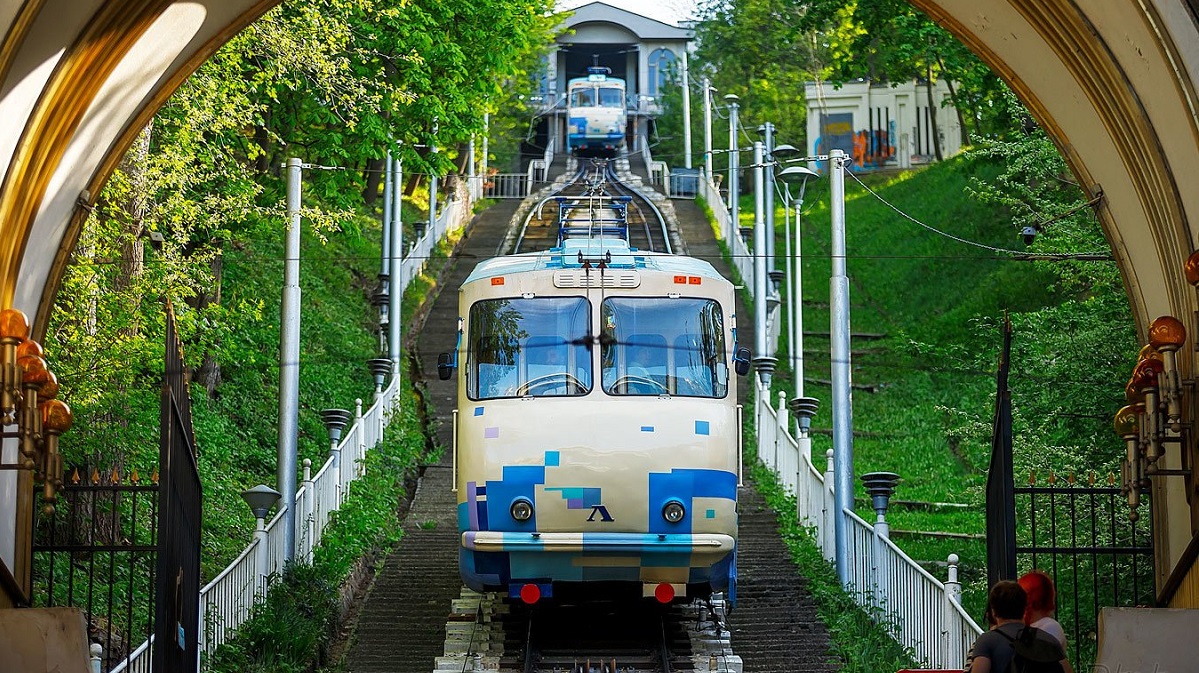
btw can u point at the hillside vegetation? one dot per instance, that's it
(926, 312)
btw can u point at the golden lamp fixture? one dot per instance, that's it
(29, 409)
(1153, 417)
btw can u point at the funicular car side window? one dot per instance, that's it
(663, 346)
(535, 347)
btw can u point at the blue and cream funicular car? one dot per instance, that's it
(597, 447)
(596, 114)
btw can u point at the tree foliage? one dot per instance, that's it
(335, 83)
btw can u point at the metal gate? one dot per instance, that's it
(177, 609)
(95, 550)
(1081, 534)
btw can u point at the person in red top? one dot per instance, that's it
(1042, 603)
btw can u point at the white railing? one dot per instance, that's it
(923, 613)
(504, 185)
(226, 601)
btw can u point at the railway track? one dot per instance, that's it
(592, 189)
(487, 633)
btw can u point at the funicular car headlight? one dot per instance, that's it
(673, 511)
(521, 510)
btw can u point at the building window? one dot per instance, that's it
(661, 64)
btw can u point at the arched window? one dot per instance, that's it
(661, 63)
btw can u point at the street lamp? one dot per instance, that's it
(795, 175)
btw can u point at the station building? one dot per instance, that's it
(640, 50)
(883, 125)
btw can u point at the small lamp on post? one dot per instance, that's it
(380, 368)
(880, 486)
(420, 228)
(335, 421)
(260, 499)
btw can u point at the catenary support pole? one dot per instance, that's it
(734, 167)
(433, 199)
(761, 282)
(289, 361)
(486, 138)
(396, 257)
(769, 138)
(385, 247)
(708, 128)
(842, 401)
(686, 114)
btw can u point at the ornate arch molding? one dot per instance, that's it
(88, 112)
(1100, 118)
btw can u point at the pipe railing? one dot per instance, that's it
(921, 612)
(227, 601)
(924, 614)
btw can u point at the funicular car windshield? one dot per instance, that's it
(663, 346)
(582, 97)
(611, 97)
(534, 347)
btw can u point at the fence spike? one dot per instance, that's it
(154, 477)
(95, 476)
(133, 478)
(1032, 477)
(1091, 479)
(1070, 479)
(1052, 478)
(116, 476)
(75, 476)
(1111, 478)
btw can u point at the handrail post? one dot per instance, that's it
(826, 529)
(309, 510)
(953, 594)
(780, 427)
(360, 449)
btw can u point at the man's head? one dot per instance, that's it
(1007, 600)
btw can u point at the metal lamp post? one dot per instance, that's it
(686, 113)
(396, 270)
(708, 91)
(795, 175)
(763, 361)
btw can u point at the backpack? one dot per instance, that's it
(1031, 654)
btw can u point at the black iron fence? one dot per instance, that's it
(96, 550)
(1080, 533)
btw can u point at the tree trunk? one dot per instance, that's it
(374, 177)
(132, 214)
(932, 115)
(953, 96)
(209, 373)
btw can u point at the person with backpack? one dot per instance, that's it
(1011, 646)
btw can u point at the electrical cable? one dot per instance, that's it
(1085, 256)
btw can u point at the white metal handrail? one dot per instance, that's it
(922, 613)
(227, 600)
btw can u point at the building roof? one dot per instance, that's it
(643, 27)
